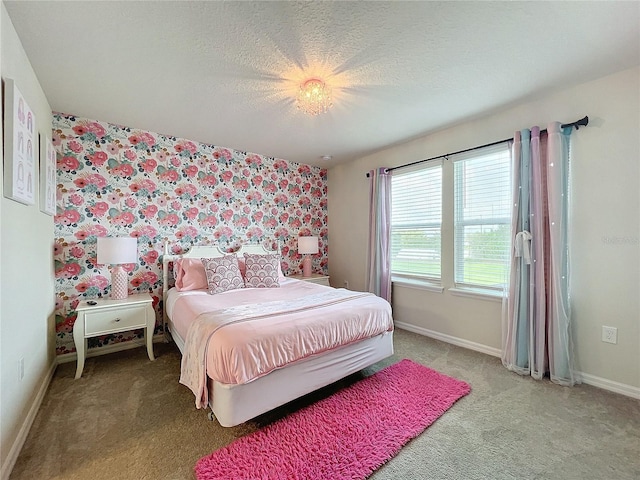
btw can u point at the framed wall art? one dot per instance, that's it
(20, 146)
(47, 176)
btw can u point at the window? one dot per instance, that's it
(482, 217)
(416, 219)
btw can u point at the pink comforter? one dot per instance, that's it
(242, 335)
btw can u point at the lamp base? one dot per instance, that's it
(306, 266)
(119, 283)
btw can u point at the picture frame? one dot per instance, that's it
(47, 176)
(20, 146)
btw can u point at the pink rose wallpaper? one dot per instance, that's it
(117, 181)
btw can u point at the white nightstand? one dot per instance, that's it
(113, 316)
(314, 278)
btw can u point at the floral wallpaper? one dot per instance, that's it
(117, 181)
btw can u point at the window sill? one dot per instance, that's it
(418, 284)
(477, 293)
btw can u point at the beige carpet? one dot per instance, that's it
(128, 418)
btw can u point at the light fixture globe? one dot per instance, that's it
(314, 97)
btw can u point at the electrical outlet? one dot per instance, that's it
(21, 369)
(609, 334)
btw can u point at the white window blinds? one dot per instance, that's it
(482, 217)
(416, 220)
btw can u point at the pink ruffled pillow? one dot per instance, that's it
(261, 270)
(223, 274)
(190, 274)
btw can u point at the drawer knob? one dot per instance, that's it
(117, 319)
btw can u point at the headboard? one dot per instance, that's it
(201, 251)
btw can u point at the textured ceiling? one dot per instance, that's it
(226, 73)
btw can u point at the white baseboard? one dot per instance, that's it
(115, 347)
(26, 425)
(460, 342)
(605, 384)
(616, 387)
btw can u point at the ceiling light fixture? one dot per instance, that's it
(314, 97)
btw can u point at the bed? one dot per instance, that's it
(247, 351)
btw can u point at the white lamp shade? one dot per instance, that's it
(307, 245)
(117, 250)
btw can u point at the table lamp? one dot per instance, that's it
(115, 251)
(307, 246)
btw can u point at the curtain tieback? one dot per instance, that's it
(523, 246)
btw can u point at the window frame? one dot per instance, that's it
(460, 222)
(417, 280)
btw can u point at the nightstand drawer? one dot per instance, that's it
(120, 320)
(105, 315)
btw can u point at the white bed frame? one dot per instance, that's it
(234, 404)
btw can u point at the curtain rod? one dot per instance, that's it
(583, 122)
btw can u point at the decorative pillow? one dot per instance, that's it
(190, 274)
(261, 270)
(280, 274)
(243, 268)
(223, 274)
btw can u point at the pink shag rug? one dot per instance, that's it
(345, 436)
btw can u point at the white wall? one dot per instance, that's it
(26, 279)
(605, 227)
(2, 442)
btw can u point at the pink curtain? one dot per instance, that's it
(536, 316)
(379, 260)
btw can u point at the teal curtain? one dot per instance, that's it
(537, 315)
